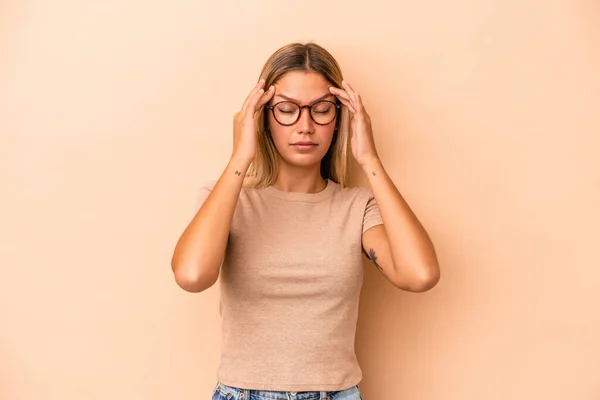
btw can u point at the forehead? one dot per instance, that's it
(302, 85)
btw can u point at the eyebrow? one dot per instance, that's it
(296, 101)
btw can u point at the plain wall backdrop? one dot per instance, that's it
(485, 114)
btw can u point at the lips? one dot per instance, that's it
(303, 146)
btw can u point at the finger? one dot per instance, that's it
(359, 103)
(348, 87)
(264, 99)
(357, 100)
(256, 88)
(350, 91)
(339, 92)
(347, 95)
(252, 93)
(344, 98)
(251, 108)
(348, 105)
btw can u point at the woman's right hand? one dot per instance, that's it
(244, 125)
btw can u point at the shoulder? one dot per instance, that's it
(354, 197)
(353, 193)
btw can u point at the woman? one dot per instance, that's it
(286, 235)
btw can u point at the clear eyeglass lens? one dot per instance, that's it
(322, 112)
(286, 112)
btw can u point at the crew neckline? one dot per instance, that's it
(303, 197)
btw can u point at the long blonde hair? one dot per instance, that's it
(299, 57)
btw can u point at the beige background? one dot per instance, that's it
(486, 115)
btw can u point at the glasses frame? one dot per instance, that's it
(337, 110)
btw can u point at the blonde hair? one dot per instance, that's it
(299, 57)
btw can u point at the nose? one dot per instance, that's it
(305, 123)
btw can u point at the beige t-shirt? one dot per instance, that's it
(290, 286)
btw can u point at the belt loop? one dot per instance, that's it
(323, 395)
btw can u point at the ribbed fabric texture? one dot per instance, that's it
(290, 286)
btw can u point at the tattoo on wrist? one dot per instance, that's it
(374, 173)
(373, 258)
(238, 173)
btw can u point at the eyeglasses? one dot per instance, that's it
(287, 113)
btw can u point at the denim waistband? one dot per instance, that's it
(234, 393)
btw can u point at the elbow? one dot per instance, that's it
(426, 280)
(425, 284)
(191, 279)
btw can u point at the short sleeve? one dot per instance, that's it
(372, 216)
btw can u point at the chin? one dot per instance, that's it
(302, 160)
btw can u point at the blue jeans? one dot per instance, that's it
(224, 392)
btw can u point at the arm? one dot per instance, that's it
(200, 250)
(400, 248)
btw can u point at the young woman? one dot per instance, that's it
(286, 235)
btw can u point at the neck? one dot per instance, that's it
(300, 179)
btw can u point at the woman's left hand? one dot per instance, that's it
(362, 143)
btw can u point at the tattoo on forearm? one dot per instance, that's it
(373, 258)
(238, 173)
(374, 173)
